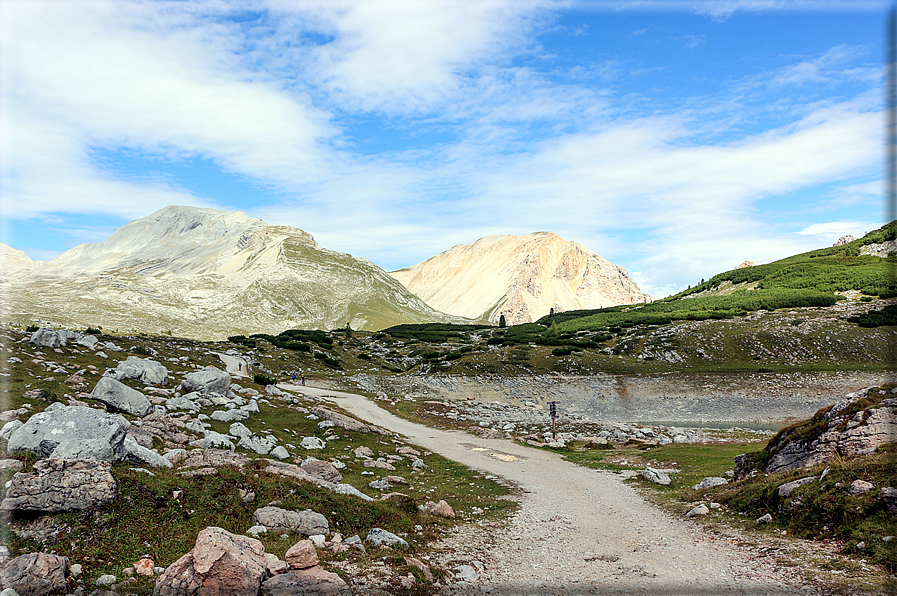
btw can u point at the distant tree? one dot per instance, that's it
(551, 312)
(501, 321)
(348, 330)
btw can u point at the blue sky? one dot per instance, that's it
(675, 138)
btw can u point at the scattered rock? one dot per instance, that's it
(859, 487)
(311, 582)
(344, 421)
(302, 555)
(60, 485)
(220, 563)
(121, 398)
(763, 519)
(379, 536)
(36, 574)
(889, 498)
(786, 489)
(207, 380)
(148, 372)
(441, 508)
(698, 510)
(71, 432)
(312, 443)
(656, 476)
(710, 482)
(305, 522)
(324, 470)
(348, 489)
(144, 566)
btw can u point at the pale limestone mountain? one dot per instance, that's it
(207, 274)
(746, 264)
(522, 277)
(14, 262)
(845, 239)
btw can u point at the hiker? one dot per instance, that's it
(303, 379)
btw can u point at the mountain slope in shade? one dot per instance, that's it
(522, 277)
(208, 274)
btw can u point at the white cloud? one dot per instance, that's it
(832, 230)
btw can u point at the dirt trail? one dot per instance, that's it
(581, 531)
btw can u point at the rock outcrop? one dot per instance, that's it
(60, 485)
(520, 277)
(845, 239)
(36, 574)
(857, 425)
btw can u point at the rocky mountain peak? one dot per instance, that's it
(521, 277)
(845, 239)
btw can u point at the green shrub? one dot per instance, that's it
(31, 328)
(263, 379)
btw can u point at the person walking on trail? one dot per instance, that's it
(303, 379)
(294, 378)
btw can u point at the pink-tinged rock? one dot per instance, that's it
(302, 555)
(859, 487)
(420, 565)
(313, 581)
(441, 508)
(275, 566)
(36, 574)
(144, 566)
(220, 564)
(324, 470)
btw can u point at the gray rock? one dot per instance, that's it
(181, 403)
(215, 440)
(137, 454)
(50, 338)
(144, 370)
(710, 482)
(239, 430)
(656, 476)
(106, 580)
(312, 443)
(230, 415)
(348, 489)
(88, 341)
(252, 406)
(698, 510)
(379, 536)
(313, 581)
(280, 452)
(207, 380)
(889, 498)
(786, 489)
(381, 484)
(9, 428)
(261, 444)
(35, 574)
(254, 531)
(196, 426)
(59, 485)
(120, 397)
(466, 573)
(763, 519)
(305, 522)
(74, 431)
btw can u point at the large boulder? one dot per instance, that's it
(313, 581)
(323, 470)
(121, 398)
(61, 485)
(305, 522)
(53, 338)
(207, 380)
(344, 421)
(656, 476)
(379, 536)
(71, 432)
(144, 370)
(36, 574)
(220, 563)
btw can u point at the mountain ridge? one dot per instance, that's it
(520, 277)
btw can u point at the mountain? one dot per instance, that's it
(207, 274)
(522, 277)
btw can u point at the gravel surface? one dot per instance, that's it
(578, 530)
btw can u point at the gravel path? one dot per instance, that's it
(578, 530)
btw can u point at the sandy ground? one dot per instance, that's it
(581, 531)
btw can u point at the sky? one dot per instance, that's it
(674, 138)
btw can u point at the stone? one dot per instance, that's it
(230, 415)
(51, 338)
(214, 458)
(785, 490)
(348, 489)
(238, 430)
(148, 372)
(305, 522)
(121, 398)
(43, 529)
(162, 426)
(220, 563)
(86, 431)
(376, 463)
(381, 537)
(181, 402)
(274, 565)
(313, 581)
(302, 555)
(75, 570)
(254, 531)
(284, 469)
(207, 380)
(656, 476)
(137, 454)
(9, 428)
(344, 421)
(710, 482)
(859, 487)
(215, 440)
(466, 573)
(144, 566)
(364, 452)
(11, 465)
(381, 484)
(441, 508)
(36, 574)
(889, 498)
(252, 407)
(312, 443)
(61, 485)
(280, 452)
(698, 510)
(261, 444)
(323, 470)
(765, 519)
